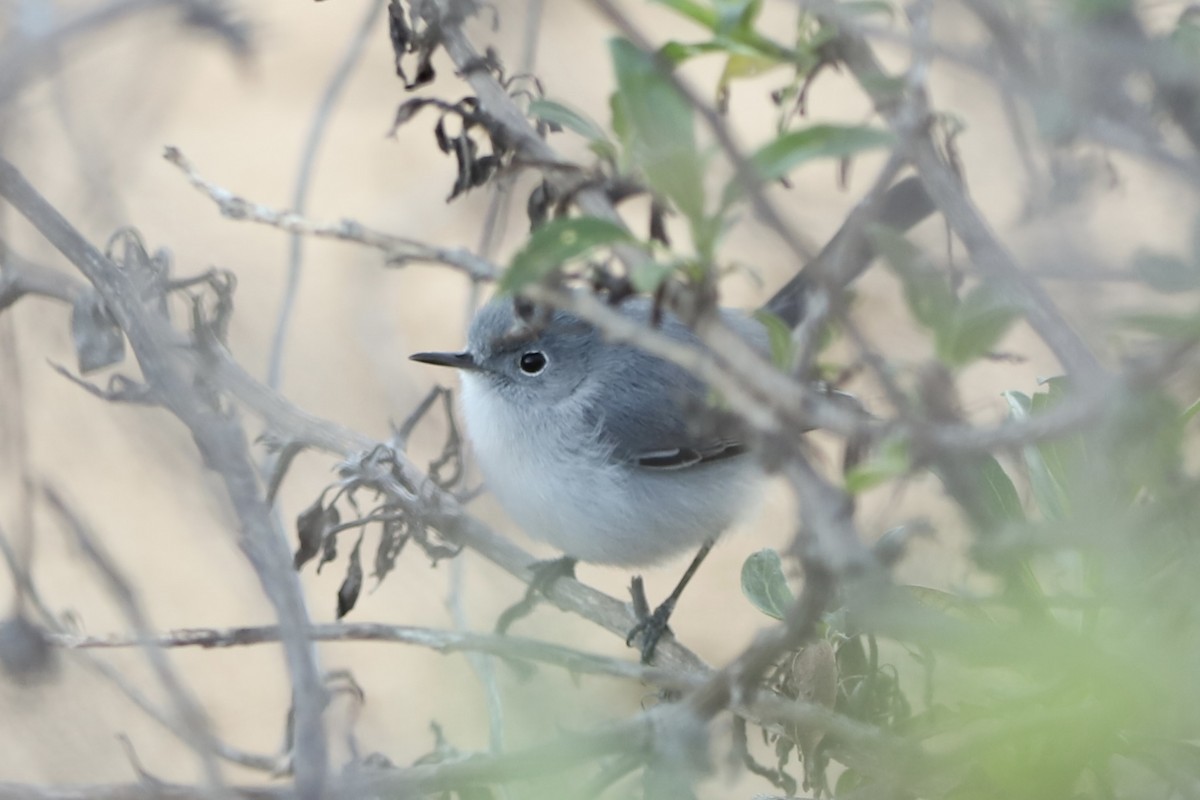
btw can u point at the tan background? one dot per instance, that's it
(92, 139)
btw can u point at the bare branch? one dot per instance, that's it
(223, 446)
(396, 249)
(443, 641)
(19, 277)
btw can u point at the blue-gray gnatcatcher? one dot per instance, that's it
(598, 447)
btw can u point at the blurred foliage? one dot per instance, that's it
(1073, 674)
(1068, 671)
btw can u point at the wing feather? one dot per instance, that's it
(686, 431)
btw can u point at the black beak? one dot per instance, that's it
(457, 360)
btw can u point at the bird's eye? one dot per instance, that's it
(533, 362)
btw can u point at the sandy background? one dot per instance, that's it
(92, 139)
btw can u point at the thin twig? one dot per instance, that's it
(308, 157)
(442, 641)
(397, 250)
(29, 591)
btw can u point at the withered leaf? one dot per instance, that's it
(98, 339)
(352, 585)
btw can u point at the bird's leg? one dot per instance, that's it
(651, 627)
(545, 573)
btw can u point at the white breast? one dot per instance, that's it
(575, 498)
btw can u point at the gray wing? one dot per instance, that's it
(657, 415)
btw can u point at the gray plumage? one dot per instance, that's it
(606, 452)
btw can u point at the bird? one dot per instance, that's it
(610, 454)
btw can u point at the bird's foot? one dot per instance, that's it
(545, 574)
(651, 627)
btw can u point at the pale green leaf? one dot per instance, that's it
(556, 243)
(764, 584)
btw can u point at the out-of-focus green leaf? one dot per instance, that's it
(1147, 432)
(1166, 273)
(865, 8)
(765, 586)
(780, 336)
(1098, 10)
(985, 490)
(998, 492)
(925, 289)
(569, 118)
(1067, 457)
(701, 14)
(884, 86)
(556, 243)
(676, 53)
(1185, 40)
(657, 129)
(648, 276)
(1050, 495)
(978, 322)
(1170, 326)
(1190, 411)
(791, 149)
(737, 15)
(891, 460)
(847, 782)
(745, 65)
(950, 604)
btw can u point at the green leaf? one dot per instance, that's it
(1166, 273)
(891, 460)
(765, 586)
(1190, 411)
(742, 65)
(1168, 326)
(997, 492)
(657, 129)
(1147, 431)
(1067, 457)
(929, 298)
(569, 118)
(865, 8)
(700, 14)
(1049, 493)
(952, 605)
(848, 782)
(977, 324)
(648, 276)
(556, 243)
(780, 337)
(963, 329)
(791, 149)
(1185, 38)
(737, 15)
(676, 52)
